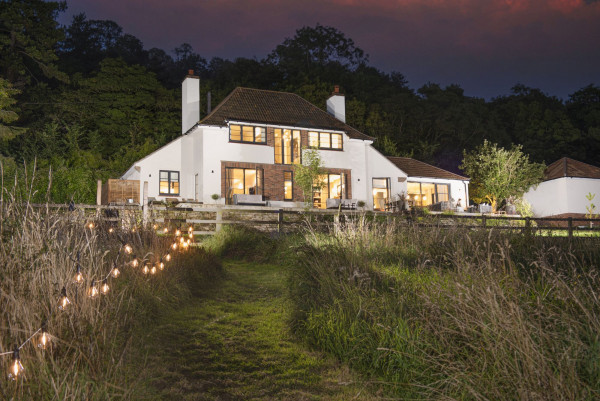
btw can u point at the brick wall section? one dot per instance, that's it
(273, 179)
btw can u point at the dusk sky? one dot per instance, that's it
(485, 46)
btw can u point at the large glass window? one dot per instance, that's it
(288, 185)
(427, 193)
(334, 187)
(247, 133)
(287, 146)
(168, 182)
(247, 181)
(325, 140)
(381, 193)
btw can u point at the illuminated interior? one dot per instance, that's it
(287, 146)
(325, 140)
(381, 193)
(169, 182)
(334, 188)
(243, 181)
(421, 194)
(288, 186)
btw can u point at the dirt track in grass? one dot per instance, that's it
(231, 342)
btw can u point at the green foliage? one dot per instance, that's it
(591, 208)
(498, 174)
(307, 175)
(7, 93)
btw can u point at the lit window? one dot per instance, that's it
(325, 140)
(381, 193)
(169, 182)
(247, 133)
(287, 146)
(288, 185)
(247, 181)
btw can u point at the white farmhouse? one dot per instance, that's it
(244, 151)
(563, 192)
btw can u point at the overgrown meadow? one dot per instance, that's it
(89, 341)
(446, 313)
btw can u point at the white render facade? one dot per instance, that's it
(203, 160)
(561, 196)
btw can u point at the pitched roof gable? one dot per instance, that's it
(567, 167)
(277, 108)
(416, 168)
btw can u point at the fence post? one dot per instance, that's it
(527, 225)
(219, 218)
(280, 221)
(483, 221)
(570, 222)
(99, 193)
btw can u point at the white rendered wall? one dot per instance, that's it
(147, 169)
(336, 106)
(458, 188)
(190, 102)
(563, 195)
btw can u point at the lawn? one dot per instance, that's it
(231, 342)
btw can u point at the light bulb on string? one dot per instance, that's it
(93, 289)
(165, 230)
(177, 233)
(168, 257)
(181, 240)
(16, 368)
(190, 229)
(64, 301)
(146, 269)
(115, 272)
(191, 235)
(44, 336)
(174, 246)
(128, 249)
(111, 230)
(184, 246)
(78, 275)
(155, 226)
(133, 229)
(161, 265)
(189, 241)
(105, 288)
(90, 225)
(135, 262)
(153, 270)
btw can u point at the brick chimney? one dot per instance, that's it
(190, 101)
(336, 104)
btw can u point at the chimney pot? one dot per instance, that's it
(190, 72)
(336, 89)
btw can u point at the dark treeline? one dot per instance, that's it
(87, 99)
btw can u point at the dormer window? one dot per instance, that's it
(247, 134)
(325, 140)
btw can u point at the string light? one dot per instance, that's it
(64, 301)
(78, 275)
(165, 230)
(93, 289)
(44, 337)
(155, 226)
(16, 368)
(43, 340)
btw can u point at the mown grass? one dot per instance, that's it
(446, 313)
(232, 342)
(91, 339)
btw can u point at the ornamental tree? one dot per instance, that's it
(497, 173)
(308, 174)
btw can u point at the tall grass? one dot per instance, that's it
(91, 339)
(442, 313)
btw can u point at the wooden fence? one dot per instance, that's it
(208, 219)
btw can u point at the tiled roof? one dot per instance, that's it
(567, 167)
(277, 108)
(415, 168)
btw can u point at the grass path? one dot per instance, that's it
(231, 343)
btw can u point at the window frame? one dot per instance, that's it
(388, 185)
(292, 182)
(280, 142)
(259, 181)
(330, 134)
(169, 180)
(253, 142)
(435, 192)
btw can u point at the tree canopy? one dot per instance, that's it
(91, 99)
(498, 174)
